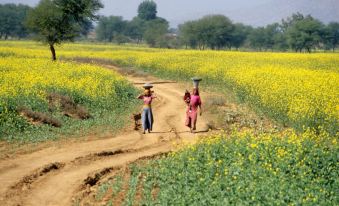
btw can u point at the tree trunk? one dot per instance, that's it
(51, 47)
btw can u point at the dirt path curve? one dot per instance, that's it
(52, 175)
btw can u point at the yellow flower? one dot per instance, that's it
(253, 145)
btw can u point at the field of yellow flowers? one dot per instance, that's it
(237, 169)
(242, 168)
(27, 82)
(299, 90)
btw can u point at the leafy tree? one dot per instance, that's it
(86, 27)
(55, 21)
(289, 21)
(110, 27)
(280, 41)
(305, 34)
(275, 37)
(215, 31)
(331, 35)
(188, 34)
(239, 35)
(12, 19)
(155, 32)
(135, 29)
(147, 10)
(257, 38)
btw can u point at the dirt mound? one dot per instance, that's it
(36, 118)
(67, 106)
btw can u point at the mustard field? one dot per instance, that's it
(296, 166)
(236, 169)
(40, 85)
(298, 90)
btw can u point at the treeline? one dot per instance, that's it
(12, 21)
(298, 32)
(146, 26)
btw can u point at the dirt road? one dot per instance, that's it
(51, 176)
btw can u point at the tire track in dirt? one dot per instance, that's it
(56, 185)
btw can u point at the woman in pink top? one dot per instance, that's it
(147, 115)
(192, 110)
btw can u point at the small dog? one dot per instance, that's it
(136, 118)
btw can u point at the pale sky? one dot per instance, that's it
(245, 11)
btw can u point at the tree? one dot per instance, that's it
(12, 19)
(110, 27)
(215, 31)
(188, 34)
(305, 34)
(135, 29)
(55, 21)
(331, 35)
(86, 27)
(239, 35)
(275, 37)
(147, 10)
(155, 31)
(257, 38)
(289, 21)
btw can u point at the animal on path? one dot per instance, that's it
(136, 118)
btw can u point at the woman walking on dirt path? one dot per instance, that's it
(147, 115)
(192, 109)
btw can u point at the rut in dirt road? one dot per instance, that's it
(25, 181)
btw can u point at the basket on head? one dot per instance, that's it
(147, 86)
(196, 81)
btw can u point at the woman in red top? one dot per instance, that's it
(147, 115)
(192, 110)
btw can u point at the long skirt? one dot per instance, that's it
(147, 119)
(191, 119)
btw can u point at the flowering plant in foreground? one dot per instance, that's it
(242, 169)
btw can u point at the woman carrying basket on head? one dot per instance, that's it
(193, 103)
(147, 115)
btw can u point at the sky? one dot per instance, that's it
(175, 11)
(179, 11)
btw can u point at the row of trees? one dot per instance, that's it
(12, 18)
(145, 26)
(298, 32)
